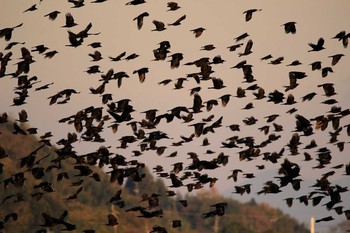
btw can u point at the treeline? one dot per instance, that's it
(37, 180)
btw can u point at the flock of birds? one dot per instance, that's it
(90, 122)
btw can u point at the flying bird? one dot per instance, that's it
(173, 6)
(317, 47)
(249, 14)
(7, 32)
(198, 31)
(69, 21)
(52, 15)
(289, 27)
(139, 19)
(178, 21)
(160, 26)
(248, 49)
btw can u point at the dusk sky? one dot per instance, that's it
(224, 21)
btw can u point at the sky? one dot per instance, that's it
(223, 20)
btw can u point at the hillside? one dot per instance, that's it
(34, 188)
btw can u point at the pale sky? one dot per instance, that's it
(223, 21)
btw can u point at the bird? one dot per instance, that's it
(325, 71)
(77, 3)
(309, 96)
(53, 15)
(139, 19)
(175, 60)
(324, 219)
(198, 31)
(112, 220)
(73, 39)
(178, 21)
(69, 21)
(328, 89)
(208, 47)
(219, 210)
(11, 44)
(131, 56)
(39, 48)
(317, 47)
(249, 14)
(277, 61)
(135, 2)
(32, 8)
(218, 83)
(141, 73)
(233, 48)
(173, 6)
(7, 32)
(95, 45)
(289, 27)
(316, 65)
(248, 49)
(336, 58)
(96, 56)
(295, 63)
(241, 37)
(50, 54)
(160, 26)
(119, 57)
(176, 223)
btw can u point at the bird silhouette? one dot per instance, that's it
(7, 32)
(317, 47)
(198, 31)
(289, 27)
(139, 19)
(160, 26)
(178, 21)
(173, 6)
(249, 14)
(69, 21)
(53, 15)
